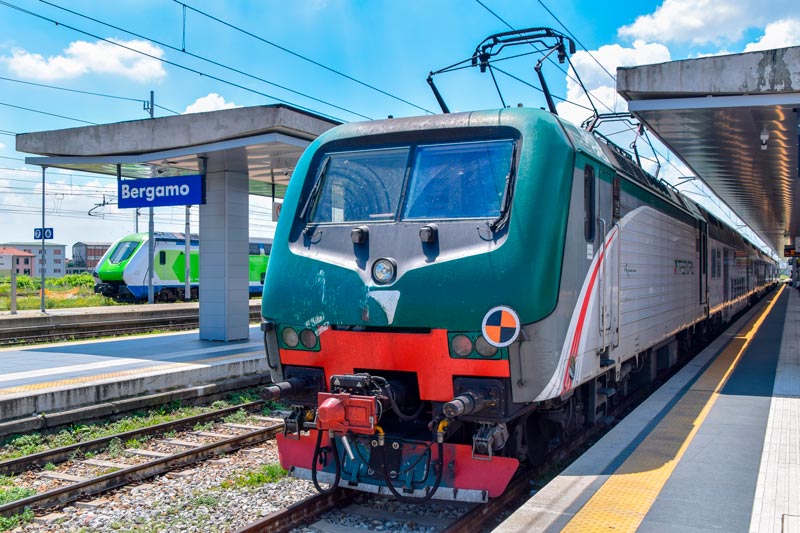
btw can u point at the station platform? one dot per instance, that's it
(717, 448)
(67, 382)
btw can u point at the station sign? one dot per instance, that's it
(159, 192)
(42, 233)
(790, 251)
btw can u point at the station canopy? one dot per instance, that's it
(261, 142)
(733, 120)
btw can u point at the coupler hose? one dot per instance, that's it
(429, 492)
(314, 460)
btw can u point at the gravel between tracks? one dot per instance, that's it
(189, 501)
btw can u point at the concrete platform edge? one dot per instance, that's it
(58, 400)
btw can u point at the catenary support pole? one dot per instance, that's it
(151, 246)
(41, 253)
(14, 285)
(187, 259)
(151, 252)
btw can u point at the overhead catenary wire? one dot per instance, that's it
(90, 93)
(300, 56)
(577, 40)
(46, 113)
(165, 61)
(550, 60)
(207, 60)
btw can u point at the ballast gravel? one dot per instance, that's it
(190, 501)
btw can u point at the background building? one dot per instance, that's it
(11, 257)
(86, 255)
(55, 259)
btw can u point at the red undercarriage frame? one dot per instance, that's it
(461, 470)
(426, 355)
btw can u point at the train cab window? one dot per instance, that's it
(254, 249)
(267, 249)
(122, 252)
(359, 186)
(461, 180)
(588, 203)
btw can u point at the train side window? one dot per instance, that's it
(162, 257)
(254, 249)
(713, 263)
(588, 203)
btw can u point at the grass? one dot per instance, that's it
(21, 445)
(270, 473)
(10, 494)
(11, 522)
(56, 298)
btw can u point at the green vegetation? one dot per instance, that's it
(21, 445)
(205, 499)
(239, 417)
(8, 494)
(270, 473)
(73, 290)
(11, 522)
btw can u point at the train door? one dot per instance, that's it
(726, 286)
(609, 243)
(703, 249)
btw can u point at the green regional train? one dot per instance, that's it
(121, 274)
(453, 295)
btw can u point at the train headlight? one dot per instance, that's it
(461, 345)
(308, 338)
(383, 271)
(290, 337)
(483, 347)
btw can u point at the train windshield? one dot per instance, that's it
(122, 252)
(446, 181)
(466, 180)
(360, 186)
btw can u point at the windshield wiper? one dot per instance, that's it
(315, 189)
(505, 211)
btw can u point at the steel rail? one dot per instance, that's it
(300, 513)
(125, 476)
(19, 465)
(63, 495)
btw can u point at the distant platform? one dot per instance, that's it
(714, 449)
(42, 380)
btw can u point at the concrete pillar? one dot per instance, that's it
(224, 305)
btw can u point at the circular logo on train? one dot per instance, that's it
(500, 326)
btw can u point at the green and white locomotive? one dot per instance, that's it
(122, 273)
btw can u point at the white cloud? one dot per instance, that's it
(779, 34)
(212, 102)
(597, 81)
(82, 57)
(705, 21)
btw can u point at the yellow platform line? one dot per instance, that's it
(121, 374)
(625, 498)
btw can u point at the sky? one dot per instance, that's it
(70, 64)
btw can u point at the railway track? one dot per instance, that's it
(314, 513)
(113, 474)
(110, 321)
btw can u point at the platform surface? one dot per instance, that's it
(62, 376)
(717, 448)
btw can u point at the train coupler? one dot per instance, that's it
(295, 423)
(487, 439)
